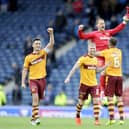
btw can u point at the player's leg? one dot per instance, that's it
(121, 110)
(94, 91)
(41, 88)
(120, 104)
(96, 110)
(78, 110)
(35, 107)
(35, 101)
(102, 82)
(82, 96)
(111, 111)
(109, 92)
(101, 62)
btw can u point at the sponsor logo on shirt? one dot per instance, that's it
(37, 60)
(90, 67)
(104, 38)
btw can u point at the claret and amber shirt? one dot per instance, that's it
(36, 64)
(88, 67)
(113, 55)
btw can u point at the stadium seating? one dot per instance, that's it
(31, 19)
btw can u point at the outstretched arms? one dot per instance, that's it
(120, 26)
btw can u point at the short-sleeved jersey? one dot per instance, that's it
(88, 67)
(36, 64)
(113, 55)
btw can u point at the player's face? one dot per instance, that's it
(92, 51)
(101, 25)
(37, 45)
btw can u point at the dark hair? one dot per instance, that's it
(36, 39)
(113, 41)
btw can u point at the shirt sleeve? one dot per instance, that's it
(83, 35)
(116, 29)
(103, 53)
(26, 62)
(45, 51)
(80, 61)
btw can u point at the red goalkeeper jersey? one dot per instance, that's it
(100, 38)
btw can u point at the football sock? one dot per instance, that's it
(111, 109)
(78, 110)
(96, 111)
(121, 110)
(35, 112)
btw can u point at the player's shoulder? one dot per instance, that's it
(82, 57)
(119, 50)
(95, 32)
(44, 50)
(85, 56)
(30, 55)
(105, 50)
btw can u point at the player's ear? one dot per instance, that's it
(33, 44)
(96, 26)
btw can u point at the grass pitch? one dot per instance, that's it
(56, 123)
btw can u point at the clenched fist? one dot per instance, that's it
(81, 27)
(50, 30)
(126, 18)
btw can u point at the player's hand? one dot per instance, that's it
(23, 85)
(50, 30)
(126, 19)
(81, 27)
(67, 80)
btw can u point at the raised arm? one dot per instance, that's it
(119, 27)
(24, 75)
(73, 70)
(51, 39)
(83, 35)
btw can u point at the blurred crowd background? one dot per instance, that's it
(23, 20)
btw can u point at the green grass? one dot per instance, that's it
(55, 123)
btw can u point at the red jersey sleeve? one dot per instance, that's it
(116, 29)
(83, 35)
